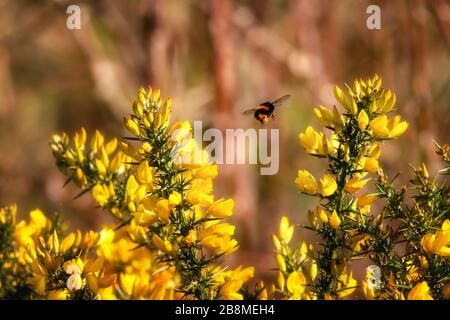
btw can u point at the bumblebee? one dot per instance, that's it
(265, 111)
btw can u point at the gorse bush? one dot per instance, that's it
(407, 243)
(171, 233)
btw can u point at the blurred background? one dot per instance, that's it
(214, 58)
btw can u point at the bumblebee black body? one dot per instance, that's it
(264, 112)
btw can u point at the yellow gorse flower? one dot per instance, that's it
(221, 208)
(347, 285)
(363, 120)
(229, 290)
(438, 243)
(420, 292)
(354, 185)
(217, 237)
(335, 221)
(306, 182)
(321, 214)
(101, 194)
(384, 128)
(296, 283)
(327, 185)
(327, 117)
(312, 141)
(286, 231)
(133, 286)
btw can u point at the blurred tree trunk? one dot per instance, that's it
(7, 92)
(223, 57)
(224, 70)
(440, 9)
(158, 41)
(385, 42)
(317, 36)
(263, 9)
(329, 34)
(420, 80)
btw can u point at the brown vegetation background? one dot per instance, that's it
(214, 58)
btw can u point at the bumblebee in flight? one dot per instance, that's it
(265, 111)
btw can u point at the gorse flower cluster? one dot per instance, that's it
(170, 232)
(167, 206)
(407, 243)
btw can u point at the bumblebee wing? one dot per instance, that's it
(281, 100)
(249, 111)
